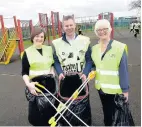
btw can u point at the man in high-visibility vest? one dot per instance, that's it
(110, 60)
(72, 52)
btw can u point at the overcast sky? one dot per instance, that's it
(29, 9)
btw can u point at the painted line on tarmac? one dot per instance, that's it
(4, 74)
(139, 39)
(134, 65)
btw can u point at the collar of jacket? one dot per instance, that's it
(65, 39)
(108, 48)
(109, 45)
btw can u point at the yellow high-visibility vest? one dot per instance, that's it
(39, 64)
(107, 76)
(72, 56)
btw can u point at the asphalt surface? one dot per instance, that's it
(14, 106)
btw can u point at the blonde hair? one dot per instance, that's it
(102, 22)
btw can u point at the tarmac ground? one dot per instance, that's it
(14, 106)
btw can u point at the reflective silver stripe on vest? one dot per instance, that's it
(104, 72)
(39, 72)
(110, 86)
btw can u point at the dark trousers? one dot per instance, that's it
(108, 107)
(132, 30)
(136, 32)
(80, 33)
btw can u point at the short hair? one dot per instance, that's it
(65, 18)
(101, 22)
(37, 31)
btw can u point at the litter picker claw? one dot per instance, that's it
(75, 95)
(65, 106)
(53, 120)
(60, 107)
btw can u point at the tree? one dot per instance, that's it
(135, 5)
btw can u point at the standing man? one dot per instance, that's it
(72, 52)
(110, 59)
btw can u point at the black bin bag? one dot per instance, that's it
(80, 106)
(122, 115)
(43, 104)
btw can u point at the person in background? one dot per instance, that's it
(80, 31)
(132, 27)
(136, 28)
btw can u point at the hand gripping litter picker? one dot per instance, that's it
(38, 90)
(65, 106)
(61, 105)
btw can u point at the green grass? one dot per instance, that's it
(87, 30)
(27, 43)
(126, 27)
(51, 37)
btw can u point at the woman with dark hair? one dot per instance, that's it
(37, 60)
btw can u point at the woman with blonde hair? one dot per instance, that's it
(110, 60)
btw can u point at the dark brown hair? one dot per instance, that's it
(37, 31)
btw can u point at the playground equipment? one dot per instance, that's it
(52, 26)
(10, 35)
(86, 23)
(43, 23)
(56, 24)
(25, 28)
(21, 30)
(24, 33)
(110, 17)
(8, 39)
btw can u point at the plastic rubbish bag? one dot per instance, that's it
(122, 115)
(49, 83)
(80, 106)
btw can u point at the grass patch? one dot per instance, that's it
(51, 37)
(121, 27)
(27, 43)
